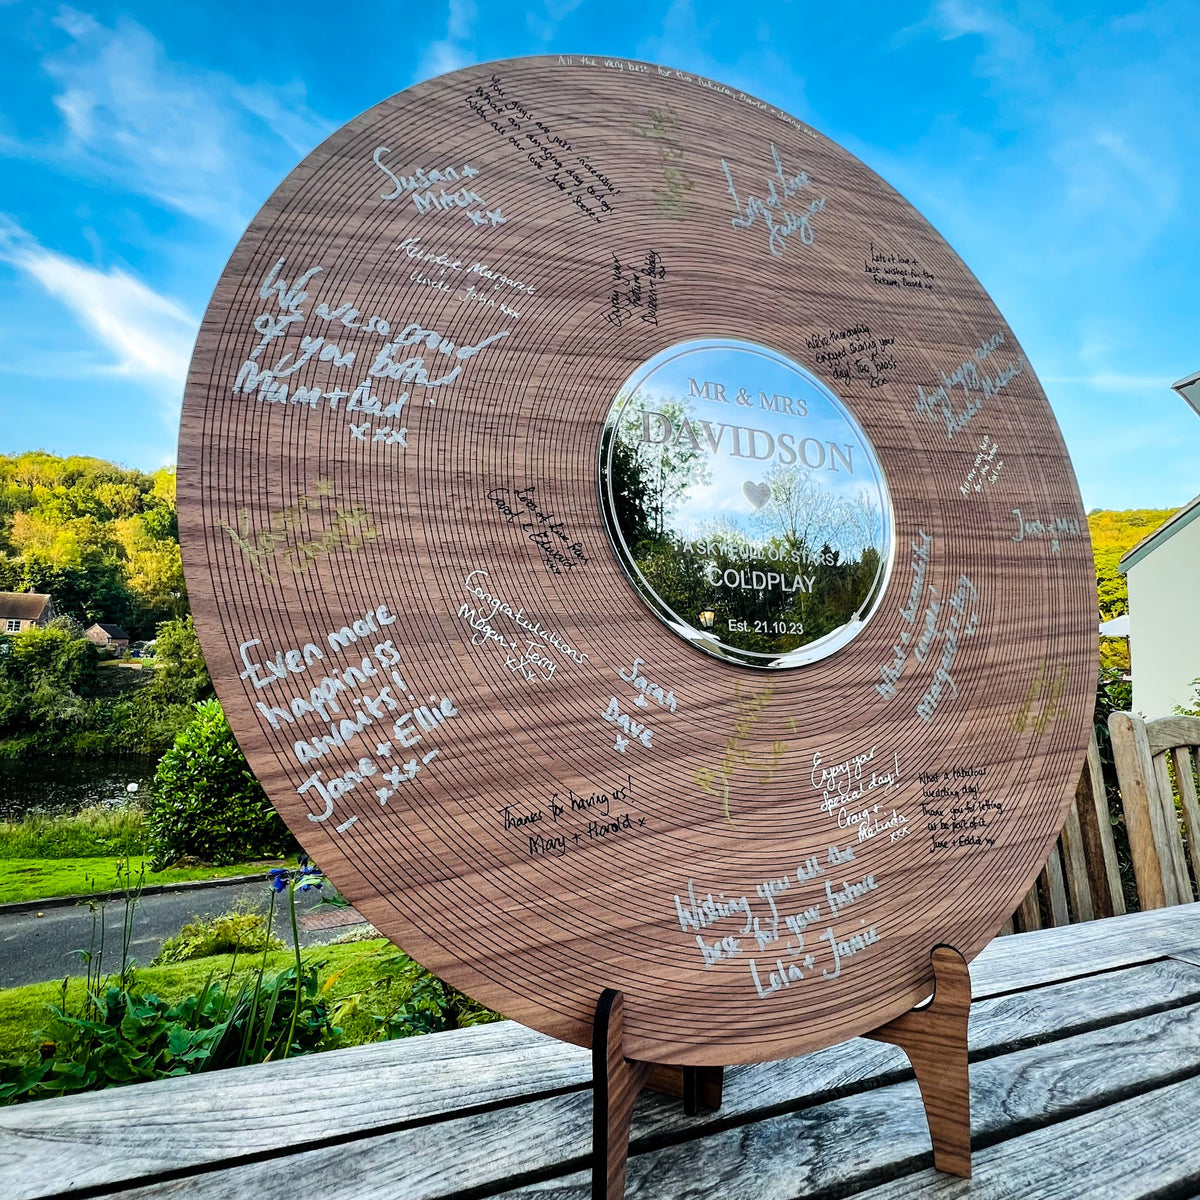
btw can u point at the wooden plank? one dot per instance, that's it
(1108, 899)
(1164, 794)
(1056, 890)
(1185, 780)
(1006, 929)
(1029, 1017)
(1135, 771)
(1131, 1150)
(1164, 733)
(121, 1133)
(1030, 959)
(846, 1145)
(1075, 864)
(178, 1124)
(1063, 1009)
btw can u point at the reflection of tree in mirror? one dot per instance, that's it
(804, 516)
(623, 479)
(667, 469)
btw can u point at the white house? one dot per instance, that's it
(1163, 574)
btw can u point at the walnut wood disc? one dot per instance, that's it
(393, 425)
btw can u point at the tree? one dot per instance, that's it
(55, 657)
(102, 540)
(623, 475)
(665, 470)
(46, 676)
(180, 675)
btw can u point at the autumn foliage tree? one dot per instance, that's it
(102, 540)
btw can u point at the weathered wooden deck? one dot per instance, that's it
(1085, 1081)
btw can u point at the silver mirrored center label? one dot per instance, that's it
(745, 503)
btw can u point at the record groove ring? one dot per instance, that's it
(633, 551)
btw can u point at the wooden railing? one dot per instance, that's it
(1081, 879)
(1156, 765)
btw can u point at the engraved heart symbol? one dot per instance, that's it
(757, 493)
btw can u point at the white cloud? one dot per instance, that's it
(189, 139)
(145, 335)
(544, 24)
(455, 49)
(960, 18)
(285, 111)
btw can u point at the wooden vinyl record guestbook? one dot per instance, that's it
(633, 551)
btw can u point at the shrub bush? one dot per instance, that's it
(206, 803)
(236, 932)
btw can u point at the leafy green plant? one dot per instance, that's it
(206, 803)
(180, 674)
(233, 932)
(122, 1033)
(1193, 709)
(406, 1001)
(129, 1036)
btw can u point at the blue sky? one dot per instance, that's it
(1056, 147)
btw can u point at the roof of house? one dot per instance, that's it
(22, 606)
(113, 631)
(1168, 529)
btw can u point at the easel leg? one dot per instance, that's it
(702, 1088)
(935, 1040)
(616, 1082)
(697, 1087)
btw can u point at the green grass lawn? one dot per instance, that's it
(372, 976)
(43, 878)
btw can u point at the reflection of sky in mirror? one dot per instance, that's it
(719, 500)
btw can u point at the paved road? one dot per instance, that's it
(34, 949)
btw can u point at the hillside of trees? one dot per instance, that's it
(103, 541)
(1114, 534)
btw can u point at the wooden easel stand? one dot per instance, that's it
(934, 1037)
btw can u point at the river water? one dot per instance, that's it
(65, 785)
